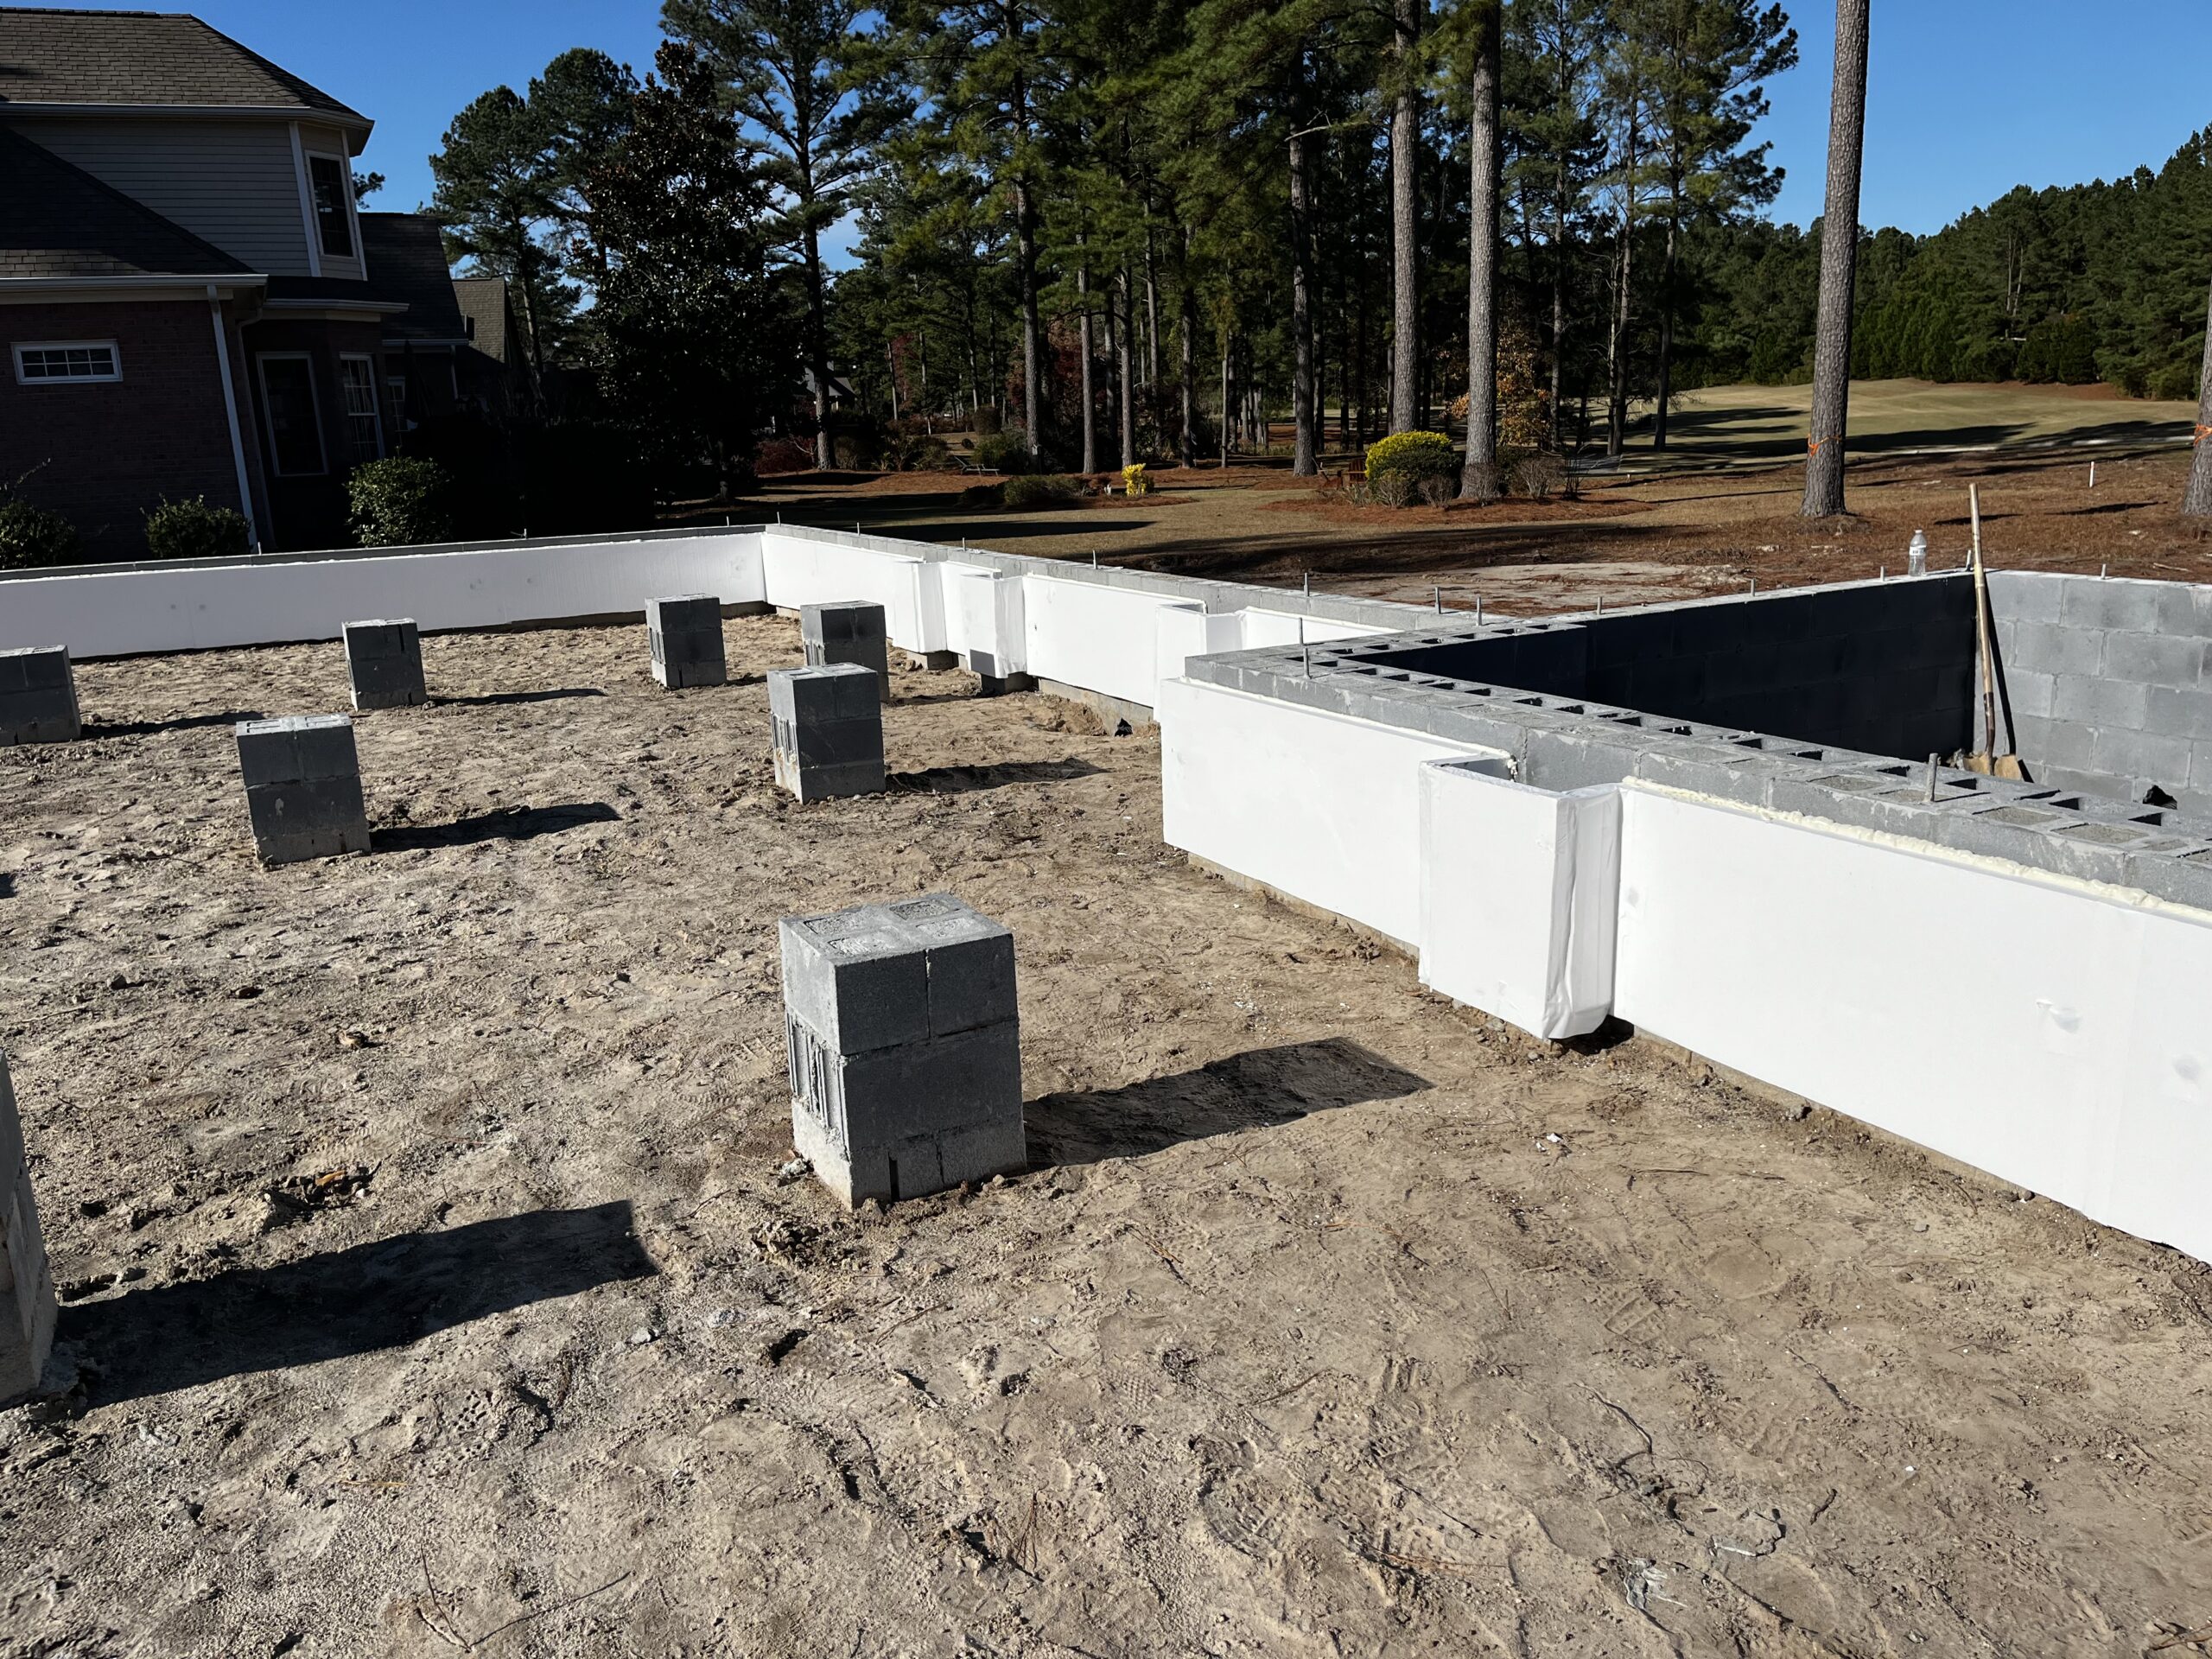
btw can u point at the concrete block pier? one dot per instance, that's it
(849, 631)
(38, 696)
(828, 730)
(27, 1307)
(303, 787)
(905, 1047)
(686, 630)
(383, 659)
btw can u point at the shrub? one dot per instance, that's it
(1006, 451)
(33, 536)
(1040, 490)
(1394, 489)
(193, 530)
(781, 455)
(1134, 481)
(2176, 382)
(919, 453)
(985, 421)
(1414, 454)
(1536, 476)
(1437, 488)
(400, 501)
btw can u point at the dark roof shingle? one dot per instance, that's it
(57, 220)
(407, 261)
(162, 59)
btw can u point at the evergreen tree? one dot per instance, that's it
(795, 72)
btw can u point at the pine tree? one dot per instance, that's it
(1839, 250)
(793, 71)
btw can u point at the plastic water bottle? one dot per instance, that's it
(1916, 555)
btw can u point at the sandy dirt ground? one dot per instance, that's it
(436, 1288)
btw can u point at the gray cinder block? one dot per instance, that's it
(38, 696)
(905, 1047)
(686, 631)
(302, 787)
(828, 724)
(383, 659)
(27, 1305)
(848, 630)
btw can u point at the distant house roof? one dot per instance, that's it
(483, 301)
(58, 221)
(55, 58)
(407, 261)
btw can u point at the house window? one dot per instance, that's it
(358, 376)
(65, 362)
(294, 432)
(395, 404)
(333, 191)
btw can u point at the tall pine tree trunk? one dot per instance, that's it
(1405, 274)
(1839, 261)
(1188, 328)
(1128, 370)
(817, 346)
(1090, 412)
(1667, 279)
(1616, 401)
(1024, 238)
(1478, 473)
(2197, 502)
(1303, 463)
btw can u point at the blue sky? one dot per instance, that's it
(1965, 99)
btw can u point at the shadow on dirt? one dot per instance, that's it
(1254, 1091)
(98, 729)
(964, 780)
(337, 1303)
(507, 824)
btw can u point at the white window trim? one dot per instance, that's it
(261, 362)
(114, 352)
(345, 195)
(310, 222)
(376, 398)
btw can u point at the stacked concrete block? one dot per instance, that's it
(686, 630)
(2108, 683)
(384, 661)
(38, 696)
(906, 1051)
(303, 787)
(828, 730)
(27, 1299)
(849, 630)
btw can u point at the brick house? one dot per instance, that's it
(190, 302)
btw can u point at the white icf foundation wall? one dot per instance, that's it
(1319, 806)
(2056, 1033)
(1519, 888)
(2053, 1031)
(1034, 618)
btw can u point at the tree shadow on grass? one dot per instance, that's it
(1257, 1089)
(384, 1294)
(507, 824)
(963, 780)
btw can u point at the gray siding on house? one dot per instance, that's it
(230, 182)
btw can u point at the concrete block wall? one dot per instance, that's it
(1884, 667)
(27, 1307)
(2107, 684)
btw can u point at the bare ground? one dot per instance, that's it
(1330, 1321)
